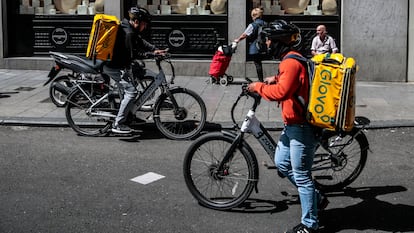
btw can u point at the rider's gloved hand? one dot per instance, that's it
(157, 52)
(160, 52)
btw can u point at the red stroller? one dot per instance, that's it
(219, 64)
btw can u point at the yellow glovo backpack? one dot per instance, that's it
(102, 38)
(332, 91)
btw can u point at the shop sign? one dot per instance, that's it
(59, 36)
(176, 38)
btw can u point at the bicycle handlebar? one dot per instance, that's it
(164, 57)
(245, 92)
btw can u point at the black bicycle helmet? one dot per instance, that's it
(284, 36)
(140, 14)
(281, 31)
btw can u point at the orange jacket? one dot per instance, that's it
(291, 82)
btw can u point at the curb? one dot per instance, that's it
(210, 126)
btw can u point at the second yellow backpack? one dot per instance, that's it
(102, 38)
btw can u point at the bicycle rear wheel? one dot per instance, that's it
(58, 90)
(86, 120)
(186, 120)
(219, 189)
(338, 165)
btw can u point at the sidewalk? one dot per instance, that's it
(25, 101)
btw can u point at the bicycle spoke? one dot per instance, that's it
(340, 165)
(181, 115)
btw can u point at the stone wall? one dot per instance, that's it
(410, 73)
(375, 33)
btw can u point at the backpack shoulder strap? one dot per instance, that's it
(307, 63)
(297, 57)
(310, 67)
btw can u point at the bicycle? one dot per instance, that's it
(221, 168)
(178, 113)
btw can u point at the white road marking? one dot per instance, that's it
(147, 178)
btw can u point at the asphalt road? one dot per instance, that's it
(55, 181)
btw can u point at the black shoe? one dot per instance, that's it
(322, 201)
(214, 80)
(301, 229)
(123, 129)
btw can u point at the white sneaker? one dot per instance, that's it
(123, 129)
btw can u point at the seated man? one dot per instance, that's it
(322, 42)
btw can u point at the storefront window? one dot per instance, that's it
(306, 14)
(297, 7)
(61, 7)
(49, 25)
(189, 28)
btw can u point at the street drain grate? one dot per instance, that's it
(24, 89)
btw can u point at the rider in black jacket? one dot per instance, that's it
(129, 46)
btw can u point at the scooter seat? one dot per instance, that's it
(94, 64)
(77, 63)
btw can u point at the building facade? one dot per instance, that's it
(376, 32)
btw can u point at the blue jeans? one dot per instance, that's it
(129, 90)
(294, 158)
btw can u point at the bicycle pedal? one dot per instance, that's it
(146, 108)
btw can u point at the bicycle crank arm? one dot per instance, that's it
(103, 114)
(269, 166)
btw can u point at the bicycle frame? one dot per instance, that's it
(253, 126)
(159, 81)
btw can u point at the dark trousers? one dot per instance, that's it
(257, 59)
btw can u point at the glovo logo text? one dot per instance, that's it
(323, 88)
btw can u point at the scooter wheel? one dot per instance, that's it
(230, 79)
(223, 81)
(59, 90)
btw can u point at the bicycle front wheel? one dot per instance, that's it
(180, 115)
(217, 188)
(338, 163)
(87, 120)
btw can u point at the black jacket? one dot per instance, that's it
(129, 45)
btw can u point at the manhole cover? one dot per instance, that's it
(24, 89)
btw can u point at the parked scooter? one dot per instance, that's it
(81, 68)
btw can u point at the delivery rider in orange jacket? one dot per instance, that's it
(296, 146)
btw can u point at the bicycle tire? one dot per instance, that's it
(225, 189)
(82, 122)
(332, 174)
(187, 121)
(57, 97)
